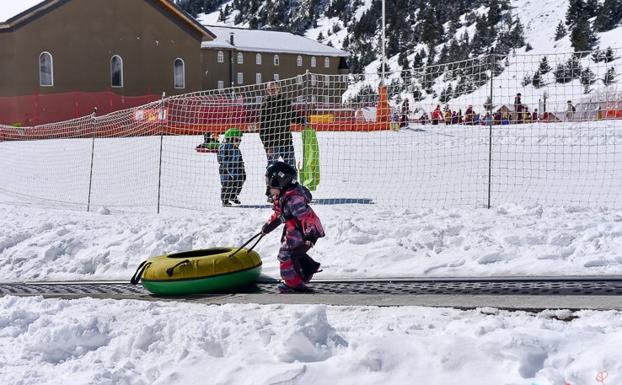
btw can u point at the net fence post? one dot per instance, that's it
(492, 75)
(306, 97)
(94, 129)
(161, 117)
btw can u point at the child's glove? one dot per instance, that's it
(310, 242)
(269, 226)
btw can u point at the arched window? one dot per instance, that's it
(179, 73)
(116, 71)
(276, 60)
(240, 58)
(299, 61)
(326, 62)
(46, 69)
(313, 62)
(258, 59)
(221, 57)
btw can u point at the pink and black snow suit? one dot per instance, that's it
(302, 229)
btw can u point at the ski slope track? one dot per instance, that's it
(512, 293)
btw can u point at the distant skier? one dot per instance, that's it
(302, 227)
(436, 115)
(469, 115)
(405, 113)
(570, 110)
(518, 108)
(231, 169)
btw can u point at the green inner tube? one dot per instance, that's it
(202, 285)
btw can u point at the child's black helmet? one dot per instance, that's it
(280, 175)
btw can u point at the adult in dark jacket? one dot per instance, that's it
(275, 117)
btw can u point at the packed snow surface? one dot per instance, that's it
(89, 341)
(361, 241)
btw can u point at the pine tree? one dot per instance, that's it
(560, 32)
(417, 94)
(210, 6)
(481, 39)
(430, 32)
(544, 66)
(494, 14)
(561, 73)
(582, 36)
(527, 79)
(587, 79)
(609, 76)
(417, 61)
(193, 7)
(518, 37)
(320, 37)
(573, 67)
(402, 60)
(609, 57)
(446, 94)
(536, 81)
(608, 15)
(591, 8)
(597, 56)
(576, 10)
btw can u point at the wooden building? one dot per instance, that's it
(61, 58)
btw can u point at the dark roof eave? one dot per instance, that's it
(191, 20)
(247, 49)
(25, 16)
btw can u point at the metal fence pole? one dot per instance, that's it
(490, 121)
(94, 129)
(306, 96)
(161, 118)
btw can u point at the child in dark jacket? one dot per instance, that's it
(231, 169)
(302, 227)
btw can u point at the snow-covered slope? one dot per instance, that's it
(539, 18)
(40, 244)
(89, 341)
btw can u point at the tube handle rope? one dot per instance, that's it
(139, 272)
(260, 235)
(170, 270)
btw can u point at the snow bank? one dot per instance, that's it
(131, 342)
(361, 241)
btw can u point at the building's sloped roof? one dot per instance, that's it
(18, 11)
(268, 41)
(12, 8)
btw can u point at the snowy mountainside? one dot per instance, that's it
(420, 32)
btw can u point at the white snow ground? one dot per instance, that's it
(577, 164)
(89, 341)
(44, 244)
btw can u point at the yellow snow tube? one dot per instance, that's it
(199, 271)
